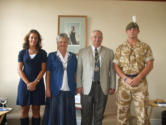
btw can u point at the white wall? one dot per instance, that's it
(18, 17)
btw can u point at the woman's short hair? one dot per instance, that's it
(26, 40)
(62, 35)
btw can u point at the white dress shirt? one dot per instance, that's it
(64, 60)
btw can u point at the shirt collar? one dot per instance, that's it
(61, 57)
(136, 45)
(98, 49)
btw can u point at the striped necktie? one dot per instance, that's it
(97, 66)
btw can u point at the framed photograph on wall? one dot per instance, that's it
(76, 29)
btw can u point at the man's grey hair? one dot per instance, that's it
(62, 35)
(99, 31)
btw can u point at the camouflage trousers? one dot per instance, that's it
(126, 94)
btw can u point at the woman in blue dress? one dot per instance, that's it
(60, 84)
(31, 67)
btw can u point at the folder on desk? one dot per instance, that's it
(4, 109)
(161, 104)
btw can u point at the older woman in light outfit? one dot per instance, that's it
(60, 84)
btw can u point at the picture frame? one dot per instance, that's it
(75, 26)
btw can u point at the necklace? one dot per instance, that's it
(32, 51)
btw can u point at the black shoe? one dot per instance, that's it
(35, 121)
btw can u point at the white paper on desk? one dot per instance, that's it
(4, 109)
(164, 105)
(77, 99)
(78, 105)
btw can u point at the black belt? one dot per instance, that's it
(96, 82)
(131, 76)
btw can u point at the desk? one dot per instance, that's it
(152, 105)
(2, 114)
(78, 113)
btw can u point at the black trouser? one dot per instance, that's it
(93, 105)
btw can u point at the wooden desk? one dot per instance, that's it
(152, 105)
(2, 114)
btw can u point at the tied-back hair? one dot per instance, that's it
(62, 35)
(26, 41)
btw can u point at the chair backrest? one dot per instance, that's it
(111, 107)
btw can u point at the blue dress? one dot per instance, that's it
(31, 68)
(60, 108)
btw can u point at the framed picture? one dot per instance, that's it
(76, 29)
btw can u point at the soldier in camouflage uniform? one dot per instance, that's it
(133, 61)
